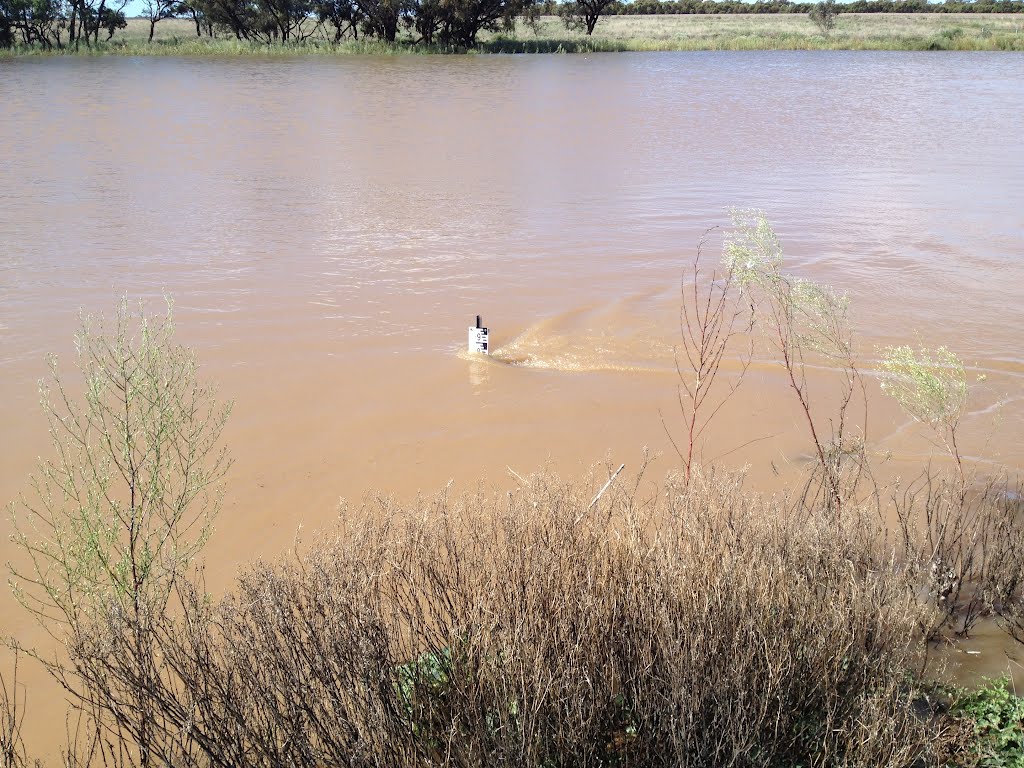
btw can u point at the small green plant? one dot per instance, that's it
(429, 672)
(997, 715)
(802, 319)
(931, 386)
(822, 314)
(752, 253)
(121, 511)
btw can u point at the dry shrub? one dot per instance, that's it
(701, 626)
(12, 715)
(1003, 587)
(967, 548)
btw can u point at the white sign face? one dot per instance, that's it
(478, 341)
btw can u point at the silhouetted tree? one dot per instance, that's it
(111, 19)
(381, 18)
(157, 10)
(35, 22)
(427, 19)
(6, 29)
(463, 20)
(237, 16)
(343, 15)
(583, 14)
(285, 17)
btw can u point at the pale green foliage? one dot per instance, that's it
(931, 386)
(799, 317)
(126, 502)
(813, 315)
(752, 255)
(821, 317)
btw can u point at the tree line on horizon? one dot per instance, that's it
(60, 24)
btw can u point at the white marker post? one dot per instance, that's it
(478, 338)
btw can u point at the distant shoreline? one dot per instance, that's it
(691, 32)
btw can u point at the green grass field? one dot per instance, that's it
(940, 31)
(792, 32)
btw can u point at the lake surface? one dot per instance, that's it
(329, 227)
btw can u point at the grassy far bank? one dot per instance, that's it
(915, 32)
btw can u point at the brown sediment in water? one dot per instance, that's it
(328, 229)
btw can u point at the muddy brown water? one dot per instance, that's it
(329, 227)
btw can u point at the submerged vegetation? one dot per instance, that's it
(687, 622)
